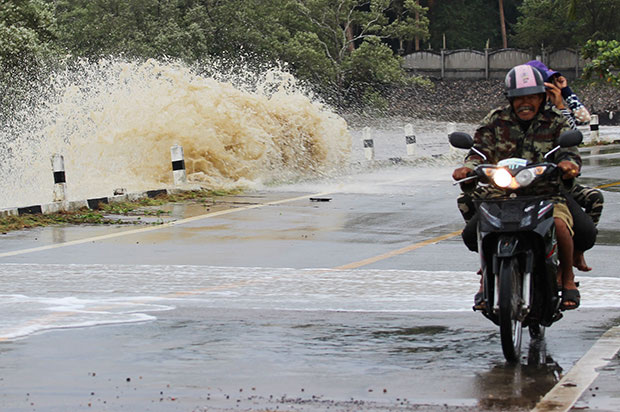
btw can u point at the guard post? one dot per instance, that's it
(60, 182)
(178, 165)
(410, 139)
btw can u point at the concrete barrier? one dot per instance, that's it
(92, 204)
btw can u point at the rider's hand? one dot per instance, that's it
(570, 169)
(560, 81)
(461, 173)
(554, 93)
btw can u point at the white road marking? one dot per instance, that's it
(600, 155)
(162, 226)
(570, 388)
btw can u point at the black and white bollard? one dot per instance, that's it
(369, 145)
(594, 137)
(410, 140)
(60, 182)
(178, 165)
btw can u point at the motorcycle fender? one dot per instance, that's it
(507, 246)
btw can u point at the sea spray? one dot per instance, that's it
(114, 122)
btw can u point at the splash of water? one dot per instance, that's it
(115, 121)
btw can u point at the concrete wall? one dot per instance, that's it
(473, 64)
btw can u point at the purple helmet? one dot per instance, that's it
(523, 80)
(544, 70)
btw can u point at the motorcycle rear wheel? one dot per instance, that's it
(510, 303)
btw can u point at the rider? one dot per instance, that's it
(527, 130)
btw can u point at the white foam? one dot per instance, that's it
(114, 122)
(41, 297)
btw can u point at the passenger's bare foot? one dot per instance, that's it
(579, 261)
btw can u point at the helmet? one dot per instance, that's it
(523, 80)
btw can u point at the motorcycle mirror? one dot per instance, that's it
(570, 138)
(461, 140)
(567, 139)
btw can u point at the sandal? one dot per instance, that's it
(570, 295)
(479, 303)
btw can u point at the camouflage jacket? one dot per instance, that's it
(501, 137)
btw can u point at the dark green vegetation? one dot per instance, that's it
(145, 207)
(347, 50)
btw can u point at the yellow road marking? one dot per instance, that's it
(607, 185)
(353, 265)
(50, 318)
(400, 251)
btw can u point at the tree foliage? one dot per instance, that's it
(468, 23)
(557, 24)
(345, 46)
(27, 31)
(605, 61)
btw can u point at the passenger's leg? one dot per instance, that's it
(565, 249)
(470, 234)
(465, 203)
(585, 234)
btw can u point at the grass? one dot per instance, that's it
(599, 143)
(141, 207)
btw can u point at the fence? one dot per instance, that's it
(474, 64)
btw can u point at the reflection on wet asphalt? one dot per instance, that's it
(506, 387)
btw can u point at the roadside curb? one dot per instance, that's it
(92, 204)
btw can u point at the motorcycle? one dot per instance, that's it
(517, 244)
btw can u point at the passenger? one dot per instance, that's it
(526, 129)
(586, 197)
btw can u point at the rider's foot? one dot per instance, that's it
(479, 302)
(570, 299)
(579, 261)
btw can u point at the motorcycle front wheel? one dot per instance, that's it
(537, 331)
(510, 303)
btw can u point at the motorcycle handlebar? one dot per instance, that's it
(477, 173)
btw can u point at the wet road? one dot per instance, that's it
(358, 300)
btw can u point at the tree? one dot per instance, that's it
(542, 23)
(135, 28)
(468, 23)
(605, 60)
(343, 27)
(566, 23)
(27, 31)
(316, 39)
(409, 24)
(502, 23)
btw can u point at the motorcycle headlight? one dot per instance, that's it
(502, 177)
(525, 177)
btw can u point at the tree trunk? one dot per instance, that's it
(349, 36)
(503, 24)
(417, 19)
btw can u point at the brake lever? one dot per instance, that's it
(467, 179)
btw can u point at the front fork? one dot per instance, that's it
(507, 248)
